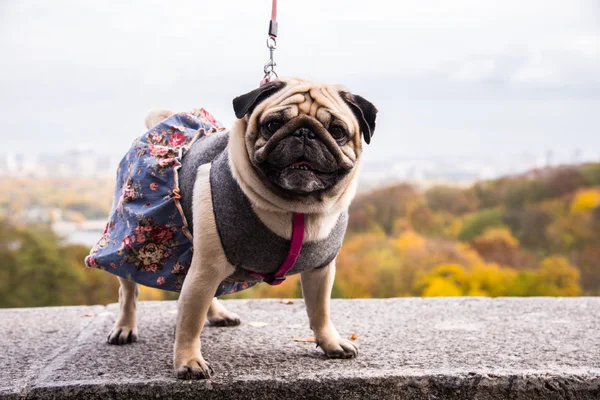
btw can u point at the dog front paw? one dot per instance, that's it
(194, 368)
(338, 348)
(123, 335)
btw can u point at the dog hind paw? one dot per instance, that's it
(224, 319)
(122, 335)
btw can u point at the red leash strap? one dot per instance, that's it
(273, 22)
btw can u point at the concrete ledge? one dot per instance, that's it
(443, 348)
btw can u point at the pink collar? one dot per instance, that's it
(292, 256)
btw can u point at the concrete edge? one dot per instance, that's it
(451, 386)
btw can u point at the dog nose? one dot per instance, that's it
(305, 132)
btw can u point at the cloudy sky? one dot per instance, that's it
(449, 77)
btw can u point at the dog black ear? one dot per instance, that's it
(244, 104)
(364, 111)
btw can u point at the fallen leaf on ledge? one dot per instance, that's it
(354, 336)
(305, 340)
(282, 301)
(89, 314)
(258, 324)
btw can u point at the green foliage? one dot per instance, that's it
(486, 193)
(536, 186)
(38, 270)
(591, 174)
(478, 222)
(518, 194)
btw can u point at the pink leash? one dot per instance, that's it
(292, 255)
(297, 219)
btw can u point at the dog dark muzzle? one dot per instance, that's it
(300, 157)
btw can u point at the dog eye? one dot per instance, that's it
(273, 126)
(337, 132)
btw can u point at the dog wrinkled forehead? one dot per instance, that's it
(319, 101)
(291, 97)
(305, 95)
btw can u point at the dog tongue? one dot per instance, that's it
(297, 164)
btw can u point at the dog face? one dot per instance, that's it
(303, 139)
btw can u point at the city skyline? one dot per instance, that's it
(452, 169)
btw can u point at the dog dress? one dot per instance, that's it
(148, 237)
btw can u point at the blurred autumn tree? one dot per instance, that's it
(537, 234)
(498, 245)
(477, 223)
(451, 199)
(78, 199)
(382, 209)
(38, 269)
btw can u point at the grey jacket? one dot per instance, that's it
(248, 244)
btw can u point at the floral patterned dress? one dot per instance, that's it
(147, 239)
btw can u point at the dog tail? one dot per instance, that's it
(155, 116)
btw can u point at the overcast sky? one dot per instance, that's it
(449, 77)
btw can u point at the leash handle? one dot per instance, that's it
(273, 22)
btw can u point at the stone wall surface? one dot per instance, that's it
(439, 348)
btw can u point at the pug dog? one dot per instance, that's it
(286, 170)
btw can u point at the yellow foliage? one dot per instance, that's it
(439, 286)
(477, 280)
(468, 255)
(445, 280)
(452, 227)
(492, 280)
(558, 277)
(369, 265)
(455, 272)
(496, 235)
(572, 231)
(289, 288)
(410, 241)
(148, 293)
(585, 200)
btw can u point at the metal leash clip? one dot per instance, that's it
(269, 67)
